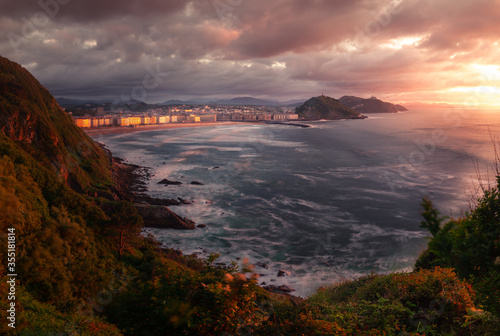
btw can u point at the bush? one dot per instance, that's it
(430, 302)
(471, 245)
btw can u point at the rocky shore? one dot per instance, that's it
(131, 186)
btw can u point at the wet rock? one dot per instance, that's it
(201, 226)
(217, 167)
(261, 264)
(183, 201)
(156, 201)
(162, 217)
(168, 182)
(197, 183)
(283, 289)
(282, 273)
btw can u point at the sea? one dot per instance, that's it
(328, 203)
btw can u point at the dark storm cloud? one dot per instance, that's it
(273, 28)
(281, 48)
(89, 10)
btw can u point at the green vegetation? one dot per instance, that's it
(370, 105)
(470, 245)
(84, 269)
(31, 117)
(427, 302)
(324, 107)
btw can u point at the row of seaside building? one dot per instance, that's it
(108, 121)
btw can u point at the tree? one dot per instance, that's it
(125, 225)
(432, 221)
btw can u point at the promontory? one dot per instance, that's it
(324, 107)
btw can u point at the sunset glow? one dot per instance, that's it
(406, 51)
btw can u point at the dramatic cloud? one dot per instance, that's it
(154, 50)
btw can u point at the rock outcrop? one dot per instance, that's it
(168, 182)
(159, 216)
(370, 105)
(328, 108)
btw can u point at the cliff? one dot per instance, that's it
(324, 107)
(31, 117)
(371, 105)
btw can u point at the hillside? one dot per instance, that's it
(82, 266)
(31, 117)
(245, 101)
(324, 107)
(370, 105)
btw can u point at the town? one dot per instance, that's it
(99, 117)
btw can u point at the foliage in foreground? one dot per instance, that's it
(73, 278)
(470, 245)
(427, 302)
(83, 269)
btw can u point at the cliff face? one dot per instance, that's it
(31, 117)
(371, 105)
(324, 107)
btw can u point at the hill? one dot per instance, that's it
(180, 102)
(48, 170)
(328, 108)
(32, 118)
(246, 101)
(83, 268)
(370, 105)
(237, 101)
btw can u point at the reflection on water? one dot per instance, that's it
(339, 198)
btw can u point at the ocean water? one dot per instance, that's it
(331, 202)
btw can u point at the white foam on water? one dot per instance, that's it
(332, 195)
(306, 177)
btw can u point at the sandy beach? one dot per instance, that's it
(117, 130)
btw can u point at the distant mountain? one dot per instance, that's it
(324, 107)
(370, 105)
(293, 102)
(67, 101)
(247, 101)
(181, 102)
(237, 101)
(64, 102)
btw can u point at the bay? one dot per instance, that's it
(331, 202)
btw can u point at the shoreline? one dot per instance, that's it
(120, 130)
(131, 187)
(157, 214)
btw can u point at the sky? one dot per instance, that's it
(403, 51)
